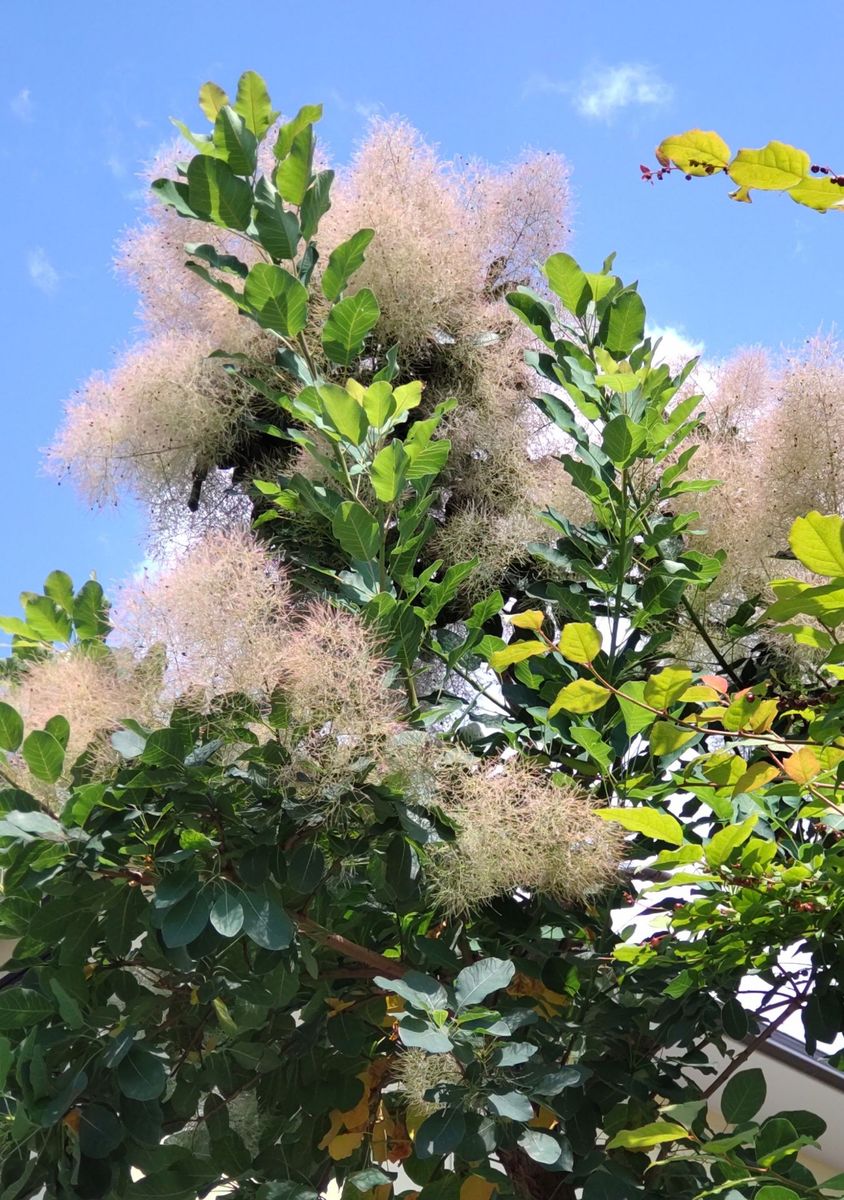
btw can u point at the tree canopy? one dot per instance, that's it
(327, 865)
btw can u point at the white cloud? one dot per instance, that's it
(21, 105)
(674, 345)
(606, 90)
(41, 271)
(602, 91)
(116, 166)
(675, 348)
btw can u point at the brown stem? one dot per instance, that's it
(754, 1045)
(335, 941)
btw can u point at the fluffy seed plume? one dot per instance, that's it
(144, 429)
(92, 693)
(222, 611)
(517, 829)
(334, 673)
(775, 442)
(415, 1071)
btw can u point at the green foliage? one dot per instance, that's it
(231, 967)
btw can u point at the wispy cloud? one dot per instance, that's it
(41, 271)
(365, 109)
(21, 105)
(603, 91)
(116, 166)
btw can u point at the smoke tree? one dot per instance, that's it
(325, 847)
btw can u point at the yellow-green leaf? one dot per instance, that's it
(755, 777)
(211, 99)
(647, 1135)
(818, 541)
(580, 642)
(636, 716)
(818, 192)
(516, 652)
(600, 285)
(694, 151)
(581, 696)
(667, 686)
(621, 382)
(699, 692)
(667, 738)
(724, 768)
(722, 844)
(660, 826)
(377, 401)
(774, 168)
(408, 396)
(532, 618)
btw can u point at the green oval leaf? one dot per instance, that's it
(440, 1134)
(226, 914)
(357, 532)
(141, 1075)
(217, 194)
(818, 541)
(100, 1131)
(44, 755)
(478, 980)
(743, 1095)
(21, 1008)
(11, 727)
(186, 919)
(265, 921)
(277, 300)
(348, 324)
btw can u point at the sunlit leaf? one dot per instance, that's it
(660, 826)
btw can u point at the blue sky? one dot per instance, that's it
(86, 91)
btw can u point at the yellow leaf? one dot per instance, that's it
(742, 196)
(500, 660)
(211, 99)
(818, 192)
(224, 1016)
(802, 766)
(476, 1188)
(698, 692)
(774, 168)
(335, 1005)
(581, 696)
(706, 715)
(580, 642)
(344, 1145)
(544, 1119)
(72, 1120)
(531, 619)
(356, 390)
(694, 151)
(755, 777)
